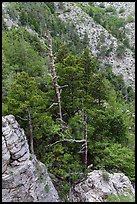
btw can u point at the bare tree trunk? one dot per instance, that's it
(53, 73)
(85, 138)
(30, 132)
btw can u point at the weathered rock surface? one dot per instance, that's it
(96, 187)
(86, 24)
(24, 179)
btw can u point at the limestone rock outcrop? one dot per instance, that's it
(99, 184)
(24, 178)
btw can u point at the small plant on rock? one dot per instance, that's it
(121, 198)
(105, 176)
(120, 51)
(121, 10)
(46, 188)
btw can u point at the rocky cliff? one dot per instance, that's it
(24, 178)
(99, 185)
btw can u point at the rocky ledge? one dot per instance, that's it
(24, 178)
(99, 185)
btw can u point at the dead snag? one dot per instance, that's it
(53, 72)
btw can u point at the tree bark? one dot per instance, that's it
(85, 138)
(30, 132)
(53, 73)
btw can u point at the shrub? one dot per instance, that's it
(105, 176)
(102, 5)
(110, 9)
(116, 158)
(120, 51)
(121, 10)
(46, 188)
(121, 198)
(130, 19)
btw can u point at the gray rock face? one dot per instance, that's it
(96, 187)
(24, 178)
(84, 23)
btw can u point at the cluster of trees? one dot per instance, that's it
(73, 113)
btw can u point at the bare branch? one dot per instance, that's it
(60, 87)
(52, 106)
(66, 140)
(90, 166)
(81, 151)
(62, 121)
(83, 148)
(22, 118)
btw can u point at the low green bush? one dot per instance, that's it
(121, 198)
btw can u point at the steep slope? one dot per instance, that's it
(84, 23)
(101, 42)
(24, 178)
(124, 10)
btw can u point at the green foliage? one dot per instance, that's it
(131, 94)
(51, 6)
(121, 198)
(111, 9)
(120, 51)
(24, 93)
(63, 190)
(102, 5)
(123, 92)
(12, 10)
(21, 54)
(130, 19)
(112, 23)
(105, 176)
(46, 188)
(121, 10)
(91, 88)
(75, 124)
(118, 159)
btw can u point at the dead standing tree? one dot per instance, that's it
(58, 97)
(53, 73)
